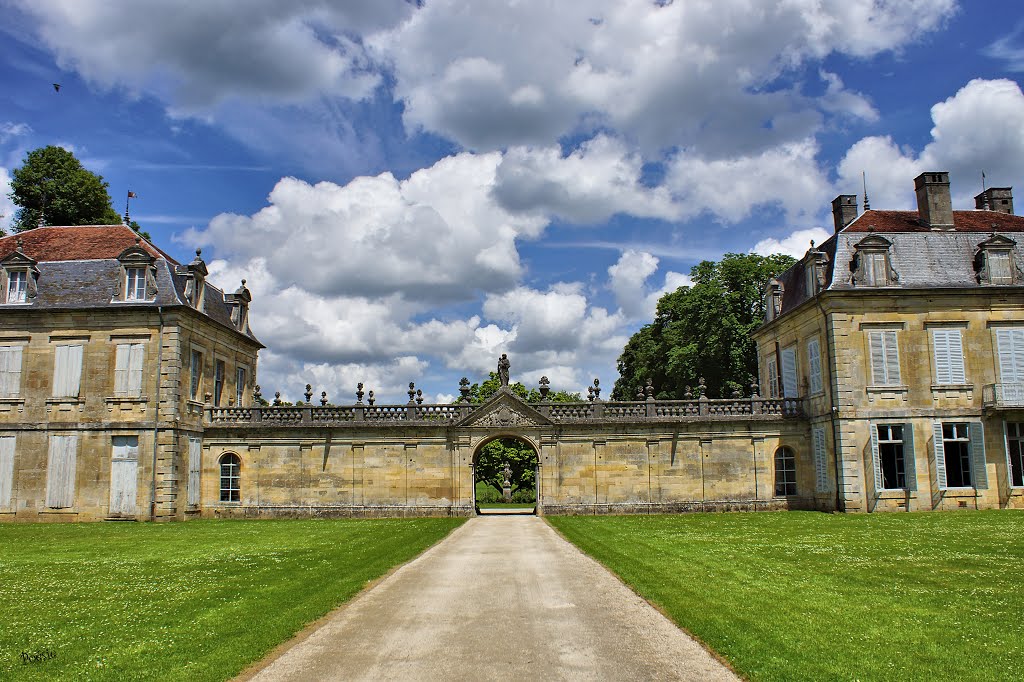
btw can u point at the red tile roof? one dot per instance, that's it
(81, 242)
(963, 221)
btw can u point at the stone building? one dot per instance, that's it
(109, 351)
(904, 335)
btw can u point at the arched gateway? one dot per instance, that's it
(593, 457)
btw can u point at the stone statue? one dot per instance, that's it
(507, 471)
(503, 366)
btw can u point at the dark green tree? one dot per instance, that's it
(53, 182)
(703, 330)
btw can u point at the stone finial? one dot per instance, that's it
(412, 392)
(277, 398)
(464, 387)
(688, 393)
(359, 393)
(370, 398)
(597, 389)
(754, 388)
(419, 397)
(323, 398)
(590, 393)
(649, 388)
(256, 395)
(19, 245)
(308, 393)
(736, 393)
(545, 387)
(640, 393)
(701, 388)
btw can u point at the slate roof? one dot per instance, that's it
(923, 258)
(78, 269)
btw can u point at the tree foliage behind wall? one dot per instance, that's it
(703, 330)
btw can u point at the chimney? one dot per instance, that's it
(999, 199)
(934, 206)
(844, 210)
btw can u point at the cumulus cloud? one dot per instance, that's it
(795, 244)
(981, 127)
(628, 280)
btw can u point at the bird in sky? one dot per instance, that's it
(56, 87)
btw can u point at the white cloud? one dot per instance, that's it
(981, 127)
(628, 280)
(795, 244)
(9, 130)
(7, 207)
(1008, 49)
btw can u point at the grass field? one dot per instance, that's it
(810, 596)
(196, 601)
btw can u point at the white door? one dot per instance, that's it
(124, 474)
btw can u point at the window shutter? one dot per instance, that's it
(820, 463)
(876, 464)
(949, 356)
(6, 470)
(773, 379)
(789, 385)
(814, 360)
(121, 358)
(10, 371)
(60, 472)
(978, 462)
(939, 456)
(892, 359)
(195, 449)
(135, 361)
(1010, 344)
(877, 359)
(909, 456)
(67, 371)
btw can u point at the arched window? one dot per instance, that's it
(230, 468)
(785, 472)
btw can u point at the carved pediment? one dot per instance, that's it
(997, 241)
(504, 409)
(873, 241)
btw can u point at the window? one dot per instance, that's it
(67, 371)
(239, 385)
(994, 261)
(814, 362)
(872, 263)
(218, 381)
(820, 463)
(959, 455)
(1010, 346)
(128, 370)
(885, 359)
(876, 269)
(196, 369)
(1015, 453)
(135, 290)
(17, 286)
(773, 379)
(999, 271)
(124, 475)
(949, 356)
(10, 371)
(789, 386)
(230, 467)
(892, 449)
(785, 472)
(6, 470)
(195, 451)
(60, 472)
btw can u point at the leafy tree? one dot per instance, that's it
(479, 392)
(53, 181)
(702, 330)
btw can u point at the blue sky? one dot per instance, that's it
(412, 188)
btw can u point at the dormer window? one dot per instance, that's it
(137, 279)
(18, 277)
(995, 263)
(195, 284)
(815, 266)
(773, 300)
(17, 286)
(872, 263)
(136, 284)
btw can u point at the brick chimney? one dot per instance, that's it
(844, 210)
(998, 199)
(934, 206)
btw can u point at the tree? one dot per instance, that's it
(702, 331)
(53, 182)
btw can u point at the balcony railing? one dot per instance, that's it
(649, 410)
(1002, 396)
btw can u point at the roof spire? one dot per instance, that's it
(127, 218)
(864, 180)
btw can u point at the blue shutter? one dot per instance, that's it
(939, 456)
(978, 462)
(909, 456)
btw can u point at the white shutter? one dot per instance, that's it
(67, 371)
(892, 359)
(909, 457)
(6, 470)
(820, 463)
(135, 362)
(979, 467)
(877, 348)
(773, 379)
(60, 471)
(121, 358)
(939, 456)
(789, 384)
(876, 463)
(10, 371)
(195, 451)
(124, 474)
(949, 356)
(1010, 343)
(814, 360)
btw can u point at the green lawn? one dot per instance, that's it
(197, 600)
(810, 596)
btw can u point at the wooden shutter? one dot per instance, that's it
(820, 463)
(979, 468)
(121, 358)
(67, 371)
(949, 356)
(135, 362)
(877, 348)
(876, 461)
(909, 456)
(10, 371)
(195, 451)
(789, 384)
(939, 456)
(60, 471)
(1010, 343)
(6, 470)
(773, 379)
(814, 361)
(892, 359)
(124, 474)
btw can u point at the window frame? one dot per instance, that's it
(773, 377)
(949, 363)
(196, 372)
(785, 464)
(133, 373)
(816, 383)
(243, 372)
(7, 351)
(219, 377)
(791, 375)
(229, 466)
(904, 459)
(68, 393)
(1016, 437)
(132, 289)
(888, 339)
(977, 459)
(22, 289)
